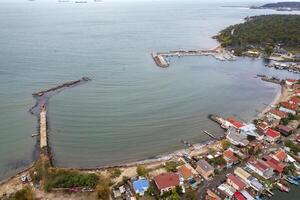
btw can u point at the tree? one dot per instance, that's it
(141, 170)
(103, 189)
(114, 173)
(225, 144)
(190, 194)
(171, 166)
(174, 196)
(25, 194)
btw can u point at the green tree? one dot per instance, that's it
(141, 171)
(225, 144)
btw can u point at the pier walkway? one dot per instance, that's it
(43, 129)
(160, 58)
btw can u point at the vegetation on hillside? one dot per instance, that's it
(264, 31)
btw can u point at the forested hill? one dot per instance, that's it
(295, 5)
(259, 31)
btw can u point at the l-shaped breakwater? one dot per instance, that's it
(161, 58)
(40, 111)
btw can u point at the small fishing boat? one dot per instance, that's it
(282, 187)
(292, 181)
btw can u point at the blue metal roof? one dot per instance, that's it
(140, 186)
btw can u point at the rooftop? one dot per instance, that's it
(278, 113)
(234, 122)
(272, 133)
(289, 106)
(185, 172)
(166, 180)
(205, 165)
(236, 181)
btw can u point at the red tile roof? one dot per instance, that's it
(239, 196)
(296, 86)
(185, 172)
(229, 155)
(281, 155)
(289, 106)
(236, 181)
(291, 80)
(279, 113)
(258, 164)
(274, 164)
(235, 123)
(295, 100)
(286, 129)
(166, 180)
(297, 91)
(272, 133)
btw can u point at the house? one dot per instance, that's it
(280, 155)
(262, 127)
(185, 172)
(238, 196)
(295, 100)
(284, 130)
(166, 181)
(274, 164)
(272, 135)
(277, 114)
(205, 169)
(212, 194)
(230, 158)
(140, 186)
(296, 86)
(298, 138)
(235, 182)
(297, 92)
(226, 189)
(249, 129)
(289, 107)
(236, 138)
(232, 122)
(256, 185)
(242, 174)
(247, 195)
(260, 167)
(290, 82)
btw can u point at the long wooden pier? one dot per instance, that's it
(43, 129)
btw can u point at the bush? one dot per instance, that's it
(24, 194)
(114, 173)
(171, 166)
(103, 190)
(141, 171)
(225, 144)
(70, 179)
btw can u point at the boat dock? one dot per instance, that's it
(160, 58)
(210, 135)
(43, 128)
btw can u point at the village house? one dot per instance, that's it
(249, 130)
(290, 82)
(242, 174)
(226, 189)
(284, 130)
(296, 86)
(238, 196)
(274, 164)
(256, 185)
(235, 182)
(166, 181)
(262, 127)
(230, 158)
(260, 167)
(205, 169)
(213, 194)
(297, 92)
(289, 107)
(280, 155)
(185, 172)
(233, 123)
(272, 135)
(295, 100)
(236, 138)
(276, 114)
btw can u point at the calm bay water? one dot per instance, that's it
(131, 109)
